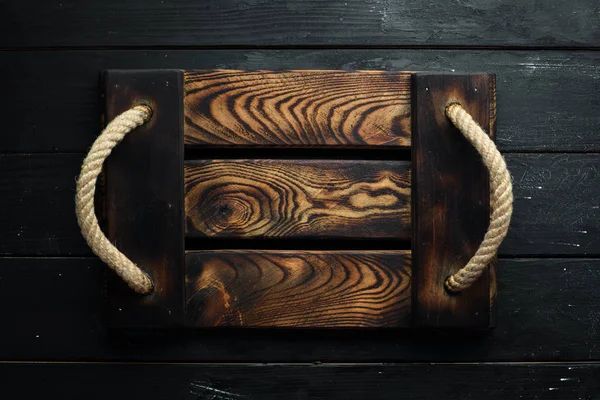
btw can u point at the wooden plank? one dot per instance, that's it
(64, 117)
(297, 199)
(299, 289)
(556, 205)
(31, 23)
(297, 108)
(450, 199)
(544, 314)
(144, 198)
(329, 381)
(39, 191)
(54, 302)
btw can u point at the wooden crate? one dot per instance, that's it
(305, 199)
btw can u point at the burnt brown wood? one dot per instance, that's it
(297, 108)
(332, 289)
(363, 200)
(298, 199)
(144, 197)
(451, 201)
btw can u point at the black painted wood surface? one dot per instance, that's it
(547, 100)
(553, 23)
(350, 381)
(545, 56)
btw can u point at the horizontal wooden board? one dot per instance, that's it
(297, 199)
(531, 116)
(297, 22)
(297, 108)
(544, 313)
(229, 382)
(299, 289)
(285, 381)
(39, 191)
(557, 200)
(556, 205)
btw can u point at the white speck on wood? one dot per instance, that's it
(566, 244)
(222, 393)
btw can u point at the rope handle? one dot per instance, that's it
(501, 199)
(139, 281)
(114, 132)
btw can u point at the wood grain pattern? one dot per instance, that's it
(298, 288)
(297, 199)
(297, 108)
(144, 198)
(451, 200)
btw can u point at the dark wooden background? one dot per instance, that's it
(546, 56)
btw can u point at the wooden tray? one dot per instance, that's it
(305, 199)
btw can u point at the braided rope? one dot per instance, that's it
(114, 132)
(501, 199)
